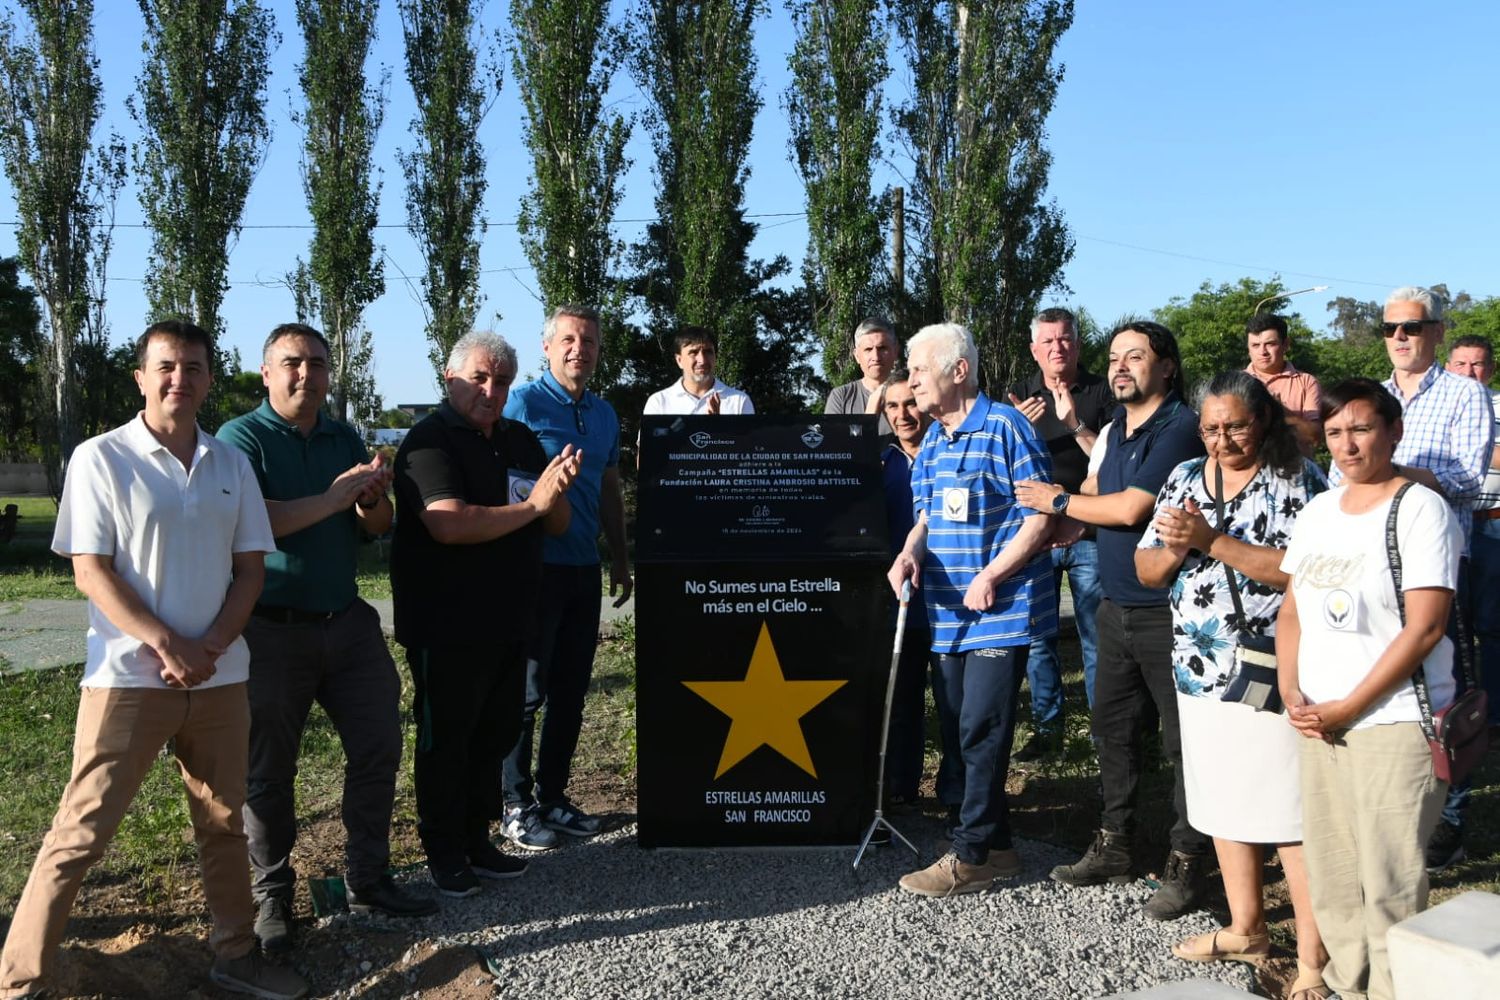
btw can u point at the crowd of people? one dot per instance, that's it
(1223, 587)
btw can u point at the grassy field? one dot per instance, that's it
(29, 570)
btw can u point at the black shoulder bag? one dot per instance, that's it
(1254, 680)
(1459, 735)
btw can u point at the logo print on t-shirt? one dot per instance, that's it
(1338, 611)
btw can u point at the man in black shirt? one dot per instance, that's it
(1068, 407)
(474, 493)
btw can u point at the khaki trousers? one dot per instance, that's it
(119, 735)
(1369, 803)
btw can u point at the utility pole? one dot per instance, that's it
(898, 239)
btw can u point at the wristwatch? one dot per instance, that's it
(1075, 429)
(1060, 502)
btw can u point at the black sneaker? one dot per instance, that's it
(453, 880)
(488, 861)
(1445, 847)
(1181, 889)
(273, 925)
(1106, 860)
(387, 898)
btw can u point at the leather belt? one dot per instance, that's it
(295, 616)
(1487, 515)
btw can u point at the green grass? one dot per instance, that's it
(28, 568)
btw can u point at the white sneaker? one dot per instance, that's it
(523, 827)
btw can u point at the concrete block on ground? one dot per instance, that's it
(1451, 951)
(1192, 989)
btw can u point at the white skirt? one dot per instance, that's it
(1241, 769)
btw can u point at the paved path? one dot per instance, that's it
(36, 635)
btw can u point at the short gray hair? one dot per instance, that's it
(949, 342)
(1055, 314)
(486, 342)
(549, 328)
(877, 324)
(1430, 301)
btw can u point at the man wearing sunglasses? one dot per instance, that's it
(1448, 433)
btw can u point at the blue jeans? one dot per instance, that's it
(976, 694)
(1456, 806)
(1043, 669)
(1484, 575)
(559, 666)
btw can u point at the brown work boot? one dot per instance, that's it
(1106, 860)
(948, 876)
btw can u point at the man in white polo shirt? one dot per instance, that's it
(167, 531)
(699, 392)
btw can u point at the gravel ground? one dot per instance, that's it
(605, 919)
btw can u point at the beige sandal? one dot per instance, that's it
(1223, 945)
(1309, 985)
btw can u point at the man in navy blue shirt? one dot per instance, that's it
(1153, 431)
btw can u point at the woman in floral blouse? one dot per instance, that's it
(1240, 764)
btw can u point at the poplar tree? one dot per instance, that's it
(983, 83)
(340, 118)
(64, 189)
(834, 107)
(562, 57)
(445, 170)
(201, 104)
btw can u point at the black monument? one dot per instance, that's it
(762, 629)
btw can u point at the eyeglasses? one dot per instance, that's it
(1411, 327)
(1239, 430)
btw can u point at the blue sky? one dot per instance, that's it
(1340, 143)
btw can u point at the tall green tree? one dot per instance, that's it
(983, 82)
(834, 106)
(695, 60)
(340, 118)
(22, 359)
(563, 56)
(445, 170)
(65, 190)
(200, 102)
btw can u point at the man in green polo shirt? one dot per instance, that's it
(312, 638)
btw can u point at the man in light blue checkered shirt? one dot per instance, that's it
(1448, 433)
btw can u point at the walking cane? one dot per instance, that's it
(885, 731)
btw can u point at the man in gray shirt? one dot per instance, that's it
(877, 350)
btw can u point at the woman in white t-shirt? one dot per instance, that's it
(1239, 762)
(1345, 665)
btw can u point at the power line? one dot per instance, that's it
(1230, 263)
(401, 225)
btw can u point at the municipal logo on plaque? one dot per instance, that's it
(765, 708)
(813, 437)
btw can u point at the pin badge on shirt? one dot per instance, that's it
(520, 487)
(956, 504)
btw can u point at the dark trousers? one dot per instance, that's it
(559, 666)
(976, 695)
(1456, 805)
(467, 702)
(905, 749)
(1135, 674)
(342, 664)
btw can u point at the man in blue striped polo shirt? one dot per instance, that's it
(980, 559)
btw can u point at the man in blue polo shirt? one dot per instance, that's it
(1151, 433)
(979, 558)
(561, 410)
(312, 638)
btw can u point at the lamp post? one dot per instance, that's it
(1286, 295)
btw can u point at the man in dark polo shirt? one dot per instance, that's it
(476, 494)
(1152, 432)
(1067, 407)
(311, 637)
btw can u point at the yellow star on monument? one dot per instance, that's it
(765, 707)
